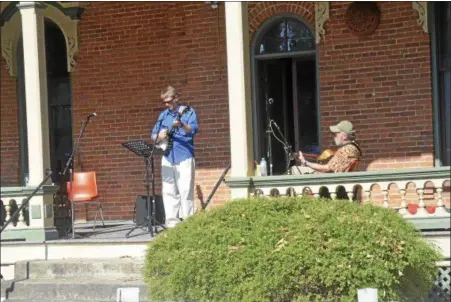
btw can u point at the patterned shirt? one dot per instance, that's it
(344, 157)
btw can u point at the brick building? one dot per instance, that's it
(384, 66)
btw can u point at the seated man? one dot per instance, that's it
(348, 151)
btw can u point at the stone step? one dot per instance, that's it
(77, 268)
(74, 289)
(23, 300)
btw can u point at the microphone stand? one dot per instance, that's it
(70, 163)
(269, 132)
(151, 215)
(287, 147)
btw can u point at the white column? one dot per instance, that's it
(239, 88)
(41, 205)
(35, 91)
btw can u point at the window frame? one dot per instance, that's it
(256, 39)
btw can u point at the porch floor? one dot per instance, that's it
(114, 231)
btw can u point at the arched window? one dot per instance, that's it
(285, 90)
(287, 35)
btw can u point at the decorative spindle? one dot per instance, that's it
(440, 210)
(8, 211)
(21, 221)
(385, 192)
(403, 198)
(367, 196)
(439, 197)
(421, 208)
(350, 195)
(403, 209)
(421, 198)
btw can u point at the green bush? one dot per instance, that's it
(290, 249)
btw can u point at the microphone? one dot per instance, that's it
(92, 115)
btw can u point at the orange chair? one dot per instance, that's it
(83, 189)
(353, 166)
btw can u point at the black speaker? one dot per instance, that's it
(141, 210)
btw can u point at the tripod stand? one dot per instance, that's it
(146, 150)
(288, 149)
(69, 166)
(269, 132)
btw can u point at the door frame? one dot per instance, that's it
(259, 33)
(438, 130)
(22, 113)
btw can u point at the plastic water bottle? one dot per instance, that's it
(263, 167)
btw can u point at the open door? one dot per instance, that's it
(274, 101)
(287, 96)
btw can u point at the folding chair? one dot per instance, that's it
(83, 189)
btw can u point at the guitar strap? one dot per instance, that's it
(180, 112)
(182, 109)
(355, 145)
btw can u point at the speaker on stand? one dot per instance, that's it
(141, 210)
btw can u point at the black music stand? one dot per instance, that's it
(144, 149)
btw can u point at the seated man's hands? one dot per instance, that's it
(300, 157)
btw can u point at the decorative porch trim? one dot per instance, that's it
(10, 33)
(321, 16)
(350, 185)
(65, 15)
(422, 9)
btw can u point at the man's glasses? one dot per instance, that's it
(168, 101)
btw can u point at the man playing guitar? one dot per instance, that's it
(179, 124)
(348, 151)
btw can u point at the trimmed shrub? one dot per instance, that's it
(290, 249)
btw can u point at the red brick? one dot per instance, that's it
(130, 50)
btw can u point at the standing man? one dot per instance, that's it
(177, 165)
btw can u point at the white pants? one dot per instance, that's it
(178, 190)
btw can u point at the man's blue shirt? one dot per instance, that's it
(182, 142)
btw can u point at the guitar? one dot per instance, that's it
(166, 143)
(322, 159)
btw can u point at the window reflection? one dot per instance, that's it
(286, 36)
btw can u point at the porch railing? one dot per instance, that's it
(414, 193)
(21, 209)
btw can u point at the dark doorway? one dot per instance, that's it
(59, 102)
(441, 52)
(59, 98)
(285, 92)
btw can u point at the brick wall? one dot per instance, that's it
(9, 129)
(381, 82)
(130, 50)
(128, 53)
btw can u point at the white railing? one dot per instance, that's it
(413, 192)
(38, 213)
(9, 205)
